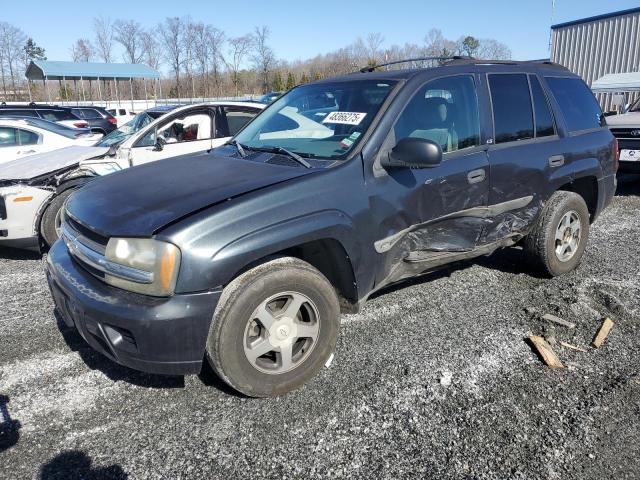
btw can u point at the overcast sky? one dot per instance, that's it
(302, 29)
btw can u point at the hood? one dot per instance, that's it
(32, 166)
(631, 119)
(139, 201)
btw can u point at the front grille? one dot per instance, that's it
(85, 232)
(626, 133)
(3, 208)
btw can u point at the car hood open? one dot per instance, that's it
(139, 201)
(32, 166)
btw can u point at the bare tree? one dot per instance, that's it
(82, 50)
(263, 57)
(12, 56)
(238, 49)
(104, 38)
(374, 42)
(491, 49)
(127, 34)
(188, 40)
(171, 32)
(216, 40)
(151, 50)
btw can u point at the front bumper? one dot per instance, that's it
(20, 209)
(151, 334)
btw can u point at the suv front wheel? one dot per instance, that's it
(558, 239)
(274, 328)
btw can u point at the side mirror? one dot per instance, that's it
(160, 143)
(414, 153)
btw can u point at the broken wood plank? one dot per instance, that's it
(558, 321)
(606, 327)
(546, 352)
(573, 347)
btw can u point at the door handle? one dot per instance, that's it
(556, 160)
(26, 151)
(476, 176)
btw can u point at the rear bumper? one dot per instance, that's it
(629, 167)
(155, 335)
(606, 190)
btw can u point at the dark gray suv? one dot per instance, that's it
(245, 256)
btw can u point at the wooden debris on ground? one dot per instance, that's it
(606, 327)
(558, 321)
(546, 352)
(573, 347)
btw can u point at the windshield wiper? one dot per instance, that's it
(286, 152)
(239, 146)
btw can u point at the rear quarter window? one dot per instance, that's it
(577, 103)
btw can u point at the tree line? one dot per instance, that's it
(201, 60)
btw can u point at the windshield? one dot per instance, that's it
(324, 120)
(125, 131)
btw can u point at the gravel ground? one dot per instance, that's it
(432, 380)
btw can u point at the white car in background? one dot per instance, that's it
(123, 115)
(28, 136)
(34, 188)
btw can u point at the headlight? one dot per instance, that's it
(148, 266)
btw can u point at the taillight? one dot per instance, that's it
(113, 120)
(616, 155)
(81, 124)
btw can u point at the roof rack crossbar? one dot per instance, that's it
(371, 68)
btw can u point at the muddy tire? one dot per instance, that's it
(50, 222)
(274, 328)
(556, 244)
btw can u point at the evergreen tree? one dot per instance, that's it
(317, 76)
(32, 51)
(304, 79)
(278, 83)
(291, 81)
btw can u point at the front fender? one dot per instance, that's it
(219, 269)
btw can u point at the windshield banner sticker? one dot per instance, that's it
(346, 118)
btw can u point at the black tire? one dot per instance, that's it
(48, 223)
(540, 245)
(239, 300)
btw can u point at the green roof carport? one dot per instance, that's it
(45, 70)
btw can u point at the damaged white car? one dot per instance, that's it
(34, 188)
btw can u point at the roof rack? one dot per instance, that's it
(372, 68)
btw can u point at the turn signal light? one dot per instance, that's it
(113, 120)
(23, 199)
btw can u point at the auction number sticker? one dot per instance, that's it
(346, 118)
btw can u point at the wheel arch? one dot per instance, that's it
(587, 188)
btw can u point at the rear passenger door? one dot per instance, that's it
(524, 153)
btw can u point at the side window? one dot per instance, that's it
(237, 118)
(579, 107)
(8, 137)
(187, 128)
(512, 111)
(122, 111)
(78, 112)
(18, 113)
(544, 119)
(26, 137)
(444, 111)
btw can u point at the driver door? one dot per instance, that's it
(188, 132)
(427, 214)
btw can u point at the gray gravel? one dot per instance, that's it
(432, 380)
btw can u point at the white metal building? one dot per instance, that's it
(596, 46)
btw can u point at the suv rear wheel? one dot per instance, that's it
(558, 239)
(274, 328)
